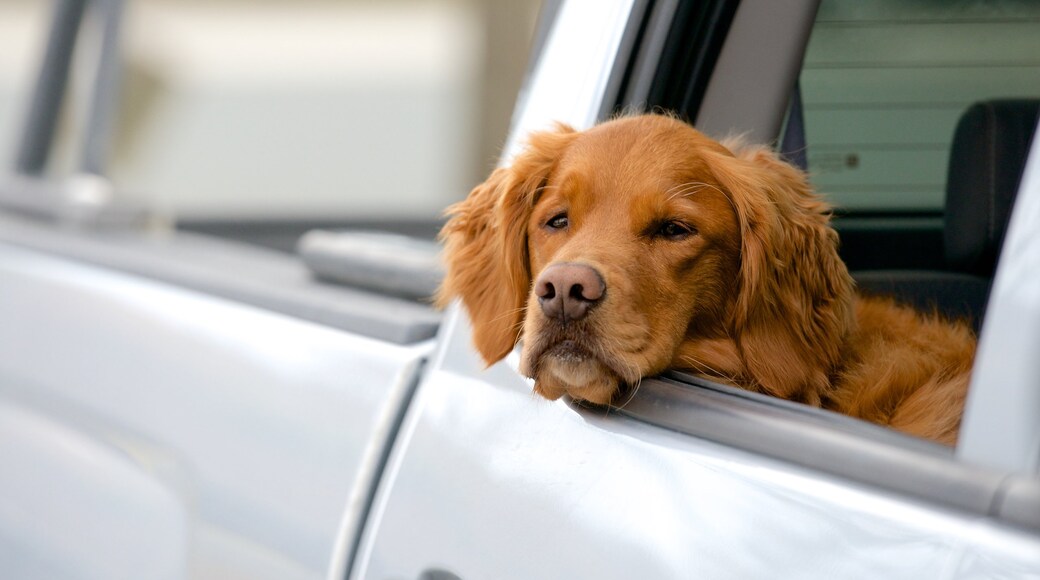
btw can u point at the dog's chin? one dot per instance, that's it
(568, 369)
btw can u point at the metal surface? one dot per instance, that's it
(649, 53)
(86, 198)
(385, 263)
(612, 100)
(235, 441)
(104, 99)
(835, 445)
(1002, 417)
(52, 79)
(82, 201)
(49, 90)
(245, 274)
(577, 61)
(553, 491)
(757, 68)
(73, 505)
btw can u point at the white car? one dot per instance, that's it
(179, 405)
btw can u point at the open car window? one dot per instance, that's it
(883, 86)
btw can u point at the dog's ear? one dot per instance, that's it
(485, 244)
(794, 303)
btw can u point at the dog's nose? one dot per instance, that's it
(567, 291)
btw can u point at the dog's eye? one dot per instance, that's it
(674, 230)
(558, 221)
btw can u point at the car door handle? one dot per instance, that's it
(437, 574)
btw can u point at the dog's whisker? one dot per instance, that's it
(632, 394)
(702, 366)
(672, 189)
(615, 345)
(510, 313)
(690, 188)
(683, 190)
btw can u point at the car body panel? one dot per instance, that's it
(265, 429)
(555, 490)
(576, 62)
(1000, 423)
(76, 506)
(748, 94)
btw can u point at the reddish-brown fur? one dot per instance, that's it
(754, 296)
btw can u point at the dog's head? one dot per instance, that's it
(606, 251)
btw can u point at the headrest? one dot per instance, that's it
(987, 157)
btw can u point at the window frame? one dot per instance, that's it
(849, 448)
(834, 444)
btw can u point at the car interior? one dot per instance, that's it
(987, 157)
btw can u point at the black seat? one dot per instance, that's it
(987, 157)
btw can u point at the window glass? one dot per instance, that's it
(885, 81)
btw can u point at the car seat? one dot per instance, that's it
(987, 157)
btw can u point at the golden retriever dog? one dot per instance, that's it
(642, 245)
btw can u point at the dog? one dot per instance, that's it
(641, 245)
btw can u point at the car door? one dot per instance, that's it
(173, 405)
(688, 479)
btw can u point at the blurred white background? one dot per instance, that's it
(294, 109)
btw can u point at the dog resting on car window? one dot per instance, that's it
(642, 245)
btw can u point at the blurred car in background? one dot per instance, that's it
(200, 398)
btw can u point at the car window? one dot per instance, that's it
(885, 81)
(884, 84)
